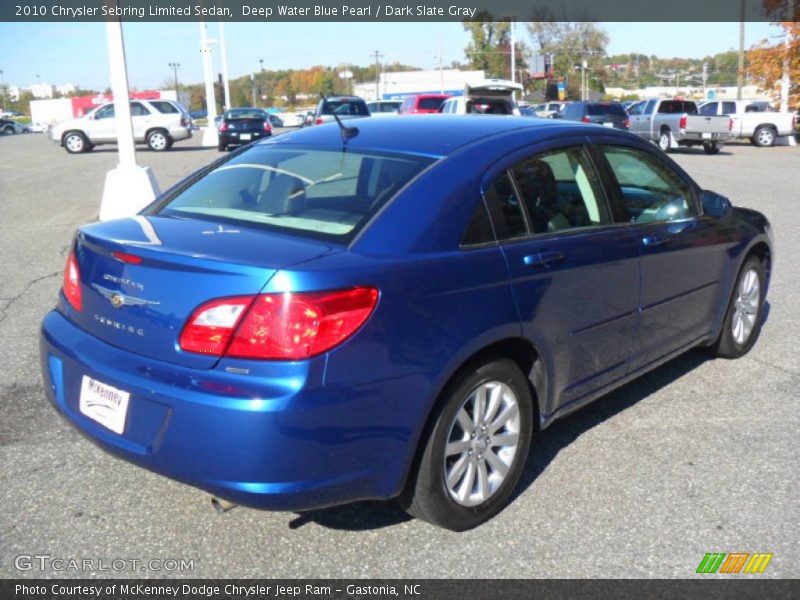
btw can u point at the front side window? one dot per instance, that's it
(107, 112)
(728, 108)
(650, 189)
(560, 191)
(315, 192)
(648, 109)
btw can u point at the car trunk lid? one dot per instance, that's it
(142, 277)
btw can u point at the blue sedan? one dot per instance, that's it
(393, 309)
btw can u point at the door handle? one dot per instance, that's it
(655, 240)
(544, 259)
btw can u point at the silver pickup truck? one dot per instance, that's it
(674, 123)
(751, 121)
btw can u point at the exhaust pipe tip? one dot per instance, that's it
(222, 506)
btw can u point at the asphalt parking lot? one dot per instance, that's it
(699, 456)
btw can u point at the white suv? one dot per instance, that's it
(157, 123)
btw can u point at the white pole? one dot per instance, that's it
(224, 55)
(785, 80)
(128, 187)
(513, 60)
(210, 133)
(441, 67)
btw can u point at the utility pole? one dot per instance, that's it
(785, 80)
(253, 87)
(705, 79)
(513, 60)
(210, 133)
(175, 66)
(2, 91)
(441, 67)
(740, 75)
(378, 57)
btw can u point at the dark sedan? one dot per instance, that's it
(395, 312)
(242, 126)
(608, 114)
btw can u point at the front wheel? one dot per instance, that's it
(8, 130)
(743, 316)
(158, 141)
(75, 142)
(474, 455)
(711, 148)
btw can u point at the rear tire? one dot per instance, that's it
(222, 147)
(75, 142)
(742, 323)
(665, 140)
(476, 450)
(158, 140)
(764, 137)
(711, 148)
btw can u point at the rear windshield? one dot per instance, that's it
(488, 107)
(323, 193)
(677, 106)
(596, 110)
(430, 103)
(245, 113)
(345, 107)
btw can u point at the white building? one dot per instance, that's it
(749, 92)
(41, 90)
(396, 86)
(66, 89)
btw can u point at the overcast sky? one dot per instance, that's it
(76, 53)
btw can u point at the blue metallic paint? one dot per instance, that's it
(345, 425)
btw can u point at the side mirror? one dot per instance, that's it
(715, 205)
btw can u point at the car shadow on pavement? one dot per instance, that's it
(108, 149)
(545, 447)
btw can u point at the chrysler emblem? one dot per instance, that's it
(118, 300)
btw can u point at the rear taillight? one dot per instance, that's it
(267, 126)
(223, 126)
(72, 283)
(682, 122)
(319, 121)
(289, 326)
(127, 258)
(586, 120)
(184, 122)
(626, 123)
(730, 124)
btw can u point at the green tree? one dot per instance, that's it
(490, 47)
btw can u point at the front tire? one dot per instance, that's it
(764, 137)
(158, 140)
(8, 130)
(742, 323)
(75, 142)
(476, 451)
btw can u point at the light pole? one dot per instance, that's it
(175, 66)
(2, 90)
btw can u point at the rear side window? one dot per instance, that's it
(597, 110)
(505, 209)
(560, 191)
(314, 192)
(650, 189)
(166, 108)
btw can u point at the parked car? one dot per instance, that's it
(243, 126)
(198, 114)
(394, 315)
(309, 119)
(607, 114)
(10, 114)
(345, 107)
(418, 104)
(12, 127)
(548, 109)
(674, 123)
(384, 108)
(492, 97)
(275, 120)
(37, 127)
(157, 123)
(526, 111)
(296, 119)
(752, 120)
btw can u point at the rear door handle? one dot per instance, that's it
(655, 240)
(544, 259)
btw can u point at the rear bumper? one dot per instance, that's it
(232, 138)
(180, 133)
(284, 442)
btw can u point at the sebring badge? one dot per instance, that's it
(119, 300)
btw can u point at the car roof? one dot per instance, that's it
(433, 135)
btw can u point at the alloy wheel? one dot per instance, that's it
(74, 143)
(158, 141)
(482, 443)
(765, 137)
(745, 307)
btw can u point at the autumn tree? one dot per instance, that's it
(767, 63)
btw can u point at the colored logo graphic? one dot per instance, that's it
(734, 562)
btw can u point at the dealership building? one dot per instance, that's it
(396, 86)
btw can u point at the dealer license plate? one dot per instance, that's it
(707, 136)
(103, 403)
(245, 136)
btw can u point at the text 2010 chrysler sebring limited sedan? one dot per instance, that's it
(391, 311)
